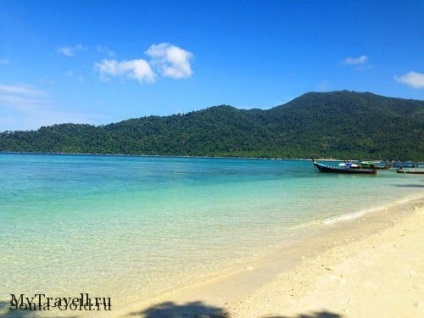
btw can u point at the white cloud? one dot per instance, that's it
(356, 60)
(170, 60)
(24, 107)
(166, 60)
(22, 90)
(70, 51)
(135, 69)
(413, 79)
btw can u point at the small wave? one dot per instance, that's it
(349, 216)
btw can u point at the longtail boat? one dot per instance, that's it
(375, 165)
(410, 170)
(326, 168)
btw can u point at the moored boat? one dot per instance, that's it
(347, 170)
(410, 170)
(405, 164)
(375, 165)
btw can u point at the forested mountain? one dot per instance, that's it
(337, 124)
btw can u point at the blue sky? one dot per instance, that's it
(97, 62)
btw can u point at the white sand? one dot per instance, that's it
(381, 275)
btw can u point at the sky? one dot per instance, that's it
(99, 62)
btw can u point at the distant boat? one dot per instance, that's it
(375, 165)
(410, 170)
(346, 169)
(407, 164)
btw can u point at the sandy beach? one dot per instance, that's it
(372, 266)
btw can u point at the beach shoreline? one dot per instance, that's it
(344, 268)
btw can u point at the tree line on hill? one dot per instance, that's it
(339, 124)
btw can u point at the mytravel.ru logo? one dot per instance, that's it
(42, 302)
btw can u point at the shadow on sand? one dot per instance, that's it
(197, 309)
(5, 312)
(321, 314)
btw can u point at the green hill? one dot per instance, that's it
(337, 124)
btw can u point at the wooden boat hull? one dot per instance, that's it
(330, 169)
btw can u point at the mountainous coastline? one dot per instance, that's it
(340, 124)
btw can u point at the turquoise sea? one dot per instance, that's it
(134, 227)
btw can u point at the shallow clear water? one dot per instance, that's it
(134, 227)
